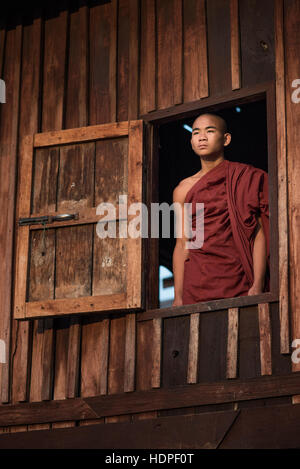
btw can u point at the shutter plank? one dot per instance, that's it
(195, 50)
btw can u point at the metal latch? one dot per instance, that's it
(45, 220)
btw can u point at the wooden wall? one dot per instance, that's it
(107, 62)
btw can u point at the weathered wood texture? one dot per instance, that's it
(108, 62)
(215, 430)
(292, 83)
(283, 253)
(178, 397)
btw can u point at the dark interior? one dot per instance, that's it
(248, 125)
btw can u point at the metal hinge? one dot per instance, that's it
(45, 220)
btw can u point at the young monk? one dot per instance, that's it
(234, 257)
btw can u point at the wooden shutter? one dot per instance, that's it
(63, 267)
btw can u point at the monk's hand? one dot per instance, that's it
(177, 302)
(256, 289)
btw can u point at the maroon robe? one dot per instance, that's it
(234, 194)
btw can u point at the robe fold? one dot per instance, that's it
(234, 195)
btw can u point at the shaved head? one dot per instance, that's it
(218, 121)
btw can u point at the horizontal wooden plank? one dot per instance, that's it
(81, 134)
(154, 399)
(222, 429)
(195, 395)
(49, 411)
(86, 304)
(215, 305)
(193, 431)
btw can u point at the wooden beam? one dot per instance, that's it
(62, 307)
(283, 253)
(81, 134)
(154, 399)
(194, 431)
(215, 305)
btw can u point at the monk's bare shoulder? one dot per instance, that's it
(184, 186)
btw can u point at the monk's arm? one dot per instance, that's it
(180, 252)
(259, 261)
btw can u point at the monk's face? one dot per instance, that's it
(208, 137)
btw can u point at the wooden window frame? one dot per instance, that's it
(242, 96)
(98, 304)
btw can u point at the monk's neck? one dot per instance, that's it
(206, 166)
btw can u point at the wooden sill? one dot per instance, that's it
(206, 306)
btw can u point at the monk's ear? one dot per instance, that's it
(227, 139)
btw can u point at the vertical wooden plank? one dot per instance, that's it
(134, 245)
(144, 362)
(134, 252)
(73, 358)
(218, 36)
(113, 59)
(249, 339)
(134, 40)
(232, 342)
(257, 41)
(152, 195)
(148, 57)
(282, 179)
(144, 354)
(94, 362)
(123, 60)
(77, 75)
(281, 363)
(235, 45)
(169, 53)
(156, 353)
(195, 66)
(116, 372)
(193, 348)
(175, 351)
(8, 165)
(23, 232)
(130, 353)
(212, 346)
(102, 87)
(265, 339)
(292, 44)
(54, 71)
